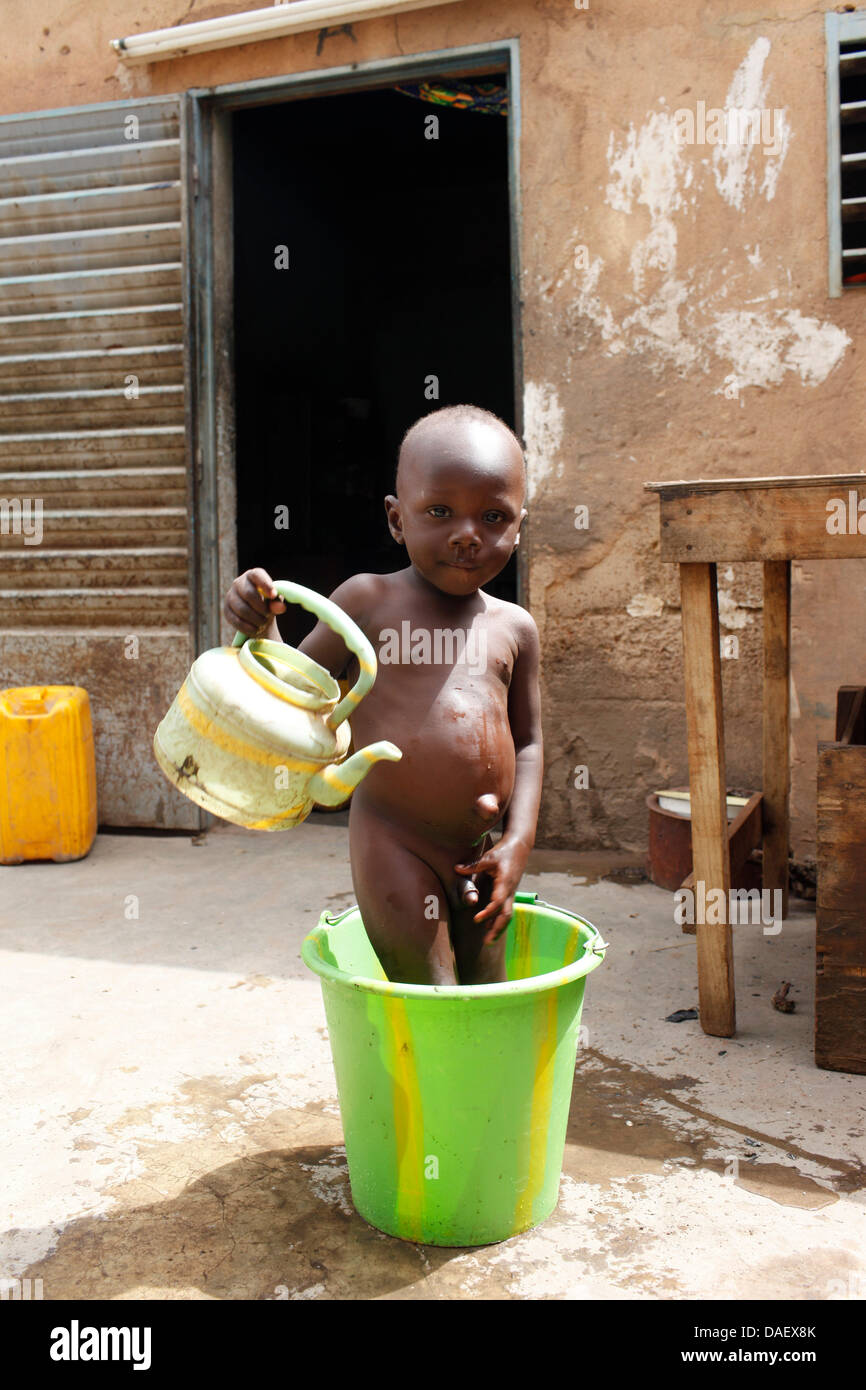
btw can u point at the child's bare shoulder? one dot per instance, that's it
(361, 595)
(518, 621)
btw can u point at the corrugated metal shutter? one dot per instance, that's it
(93, 428)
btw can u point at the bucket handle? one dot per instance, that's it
(597, 948)
(344, 627)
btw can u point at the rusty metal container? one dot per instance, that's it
(669, 858)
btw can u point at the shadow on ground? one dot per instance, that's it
(276, 1224)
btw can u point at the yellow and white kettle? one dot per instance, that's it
(256, 734)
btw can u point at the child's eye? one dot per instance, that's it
(437, 511)
(494, 516)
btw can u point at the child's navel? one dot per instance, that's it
(487, 806)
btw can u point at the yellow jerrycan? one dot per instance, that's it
(47, 774)
(256, 734)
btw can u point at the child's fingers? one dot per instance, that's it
(275, 605)
(256, 588)
(259, 578)
(497, 899)
(468, 870)
(248, 602)
(498, 926)
(485, 864)
(249, 620)
(500, 909)
(243, 616)
(260, 587)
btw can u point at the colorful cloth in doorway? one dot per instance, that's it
(491, 97)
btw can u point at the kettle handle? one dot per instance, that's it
(344, 626)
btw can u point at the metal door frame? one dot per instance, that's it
(207, 127)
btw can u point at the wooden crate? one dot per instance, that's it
(840, 996)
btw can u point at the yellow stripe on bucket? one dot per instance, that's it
(535, 1162)
(521, 961)
(572, 948)
(408, 1120)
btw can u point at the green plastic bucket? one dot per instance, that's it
(454, 1098)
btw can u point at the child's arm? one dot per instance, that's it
(355, 597)
(506, 861)
(524, 714)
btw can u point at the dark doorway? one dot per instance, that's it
(399, 269)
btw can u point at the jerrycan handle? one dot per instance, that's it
(343, 625)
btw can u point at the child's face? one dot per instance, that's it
(461, 504)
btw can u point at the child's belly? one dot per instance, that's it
(456, 776)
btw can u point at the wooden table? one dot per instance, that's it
(710, 522)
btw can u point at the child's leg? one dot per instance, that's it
(403, 905)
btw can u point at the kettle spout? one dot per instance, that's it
(334, 783)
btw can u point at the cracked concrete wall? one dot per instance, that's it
(675, 323)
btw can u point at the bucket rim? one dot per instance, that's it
(592, 956)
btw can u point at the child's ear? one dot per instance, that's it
(395, 524)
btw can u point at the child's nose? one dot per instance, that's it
(465, 533)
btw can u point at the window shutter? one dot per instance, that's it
(94, 458)
(846, 149)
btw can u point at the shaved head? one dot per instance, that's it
(440, 424)
(461, 483)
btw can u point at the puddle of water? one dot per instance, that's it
(614, 1133)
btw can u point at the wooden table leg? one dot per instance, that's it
(707, 783)
(777, 725)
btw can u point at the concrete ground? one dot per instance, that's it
(171, 1128)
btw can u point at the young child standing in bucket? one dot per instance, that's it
(456, 690)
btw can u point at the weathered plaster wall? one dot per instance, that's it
(676, 324)
(692, 337)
